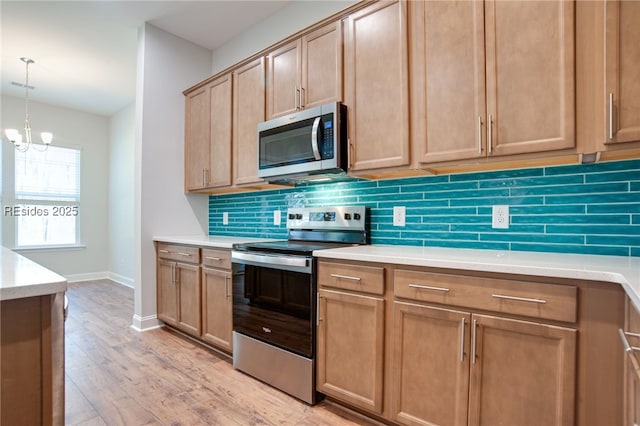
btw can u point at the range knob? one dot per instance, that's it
(347, 216)
(356, 216)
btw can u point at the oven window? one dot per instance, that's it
(282, 291)
(275, 306)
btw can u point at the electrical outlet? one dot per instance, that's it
(225, 218)
(277, 217)
(500, 217)
(399, 213)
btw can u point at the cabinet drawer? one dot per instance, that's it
(216, 258)
(550, 301)
(180, 253)
(367, 279)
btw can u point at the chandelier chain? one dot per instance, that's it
(27, 126)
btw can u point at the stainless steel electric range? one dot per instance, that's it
(275, 303)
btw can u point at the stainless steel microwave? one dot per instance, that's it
(308, 142)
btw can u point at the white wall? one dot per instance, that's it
(166, 66)
(292, 18)
(73, 129)
(121, 195)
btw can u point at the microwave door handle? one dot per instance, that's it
(314, 138)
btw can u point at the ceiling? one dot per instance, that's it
(85, 51)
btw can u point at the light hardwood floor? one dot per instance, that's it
(117, 376)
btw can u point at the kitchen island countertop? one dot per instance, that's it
(22, 278)
(624, 271)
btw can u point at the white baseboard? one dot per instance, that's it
(73, 278)
(121, 279)
(147, 323)
(106, 275)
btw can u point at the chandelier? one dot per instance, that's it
(14, 135)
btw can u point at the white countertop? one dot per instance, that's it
(209, 241)
(624, 271)
(23, 278)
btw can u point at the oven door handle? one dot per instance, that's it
(271, 261)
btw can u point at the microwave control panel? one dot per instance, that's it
(327, 137)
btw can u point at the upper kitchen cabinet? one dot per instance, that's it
(492, 78)
(196, 139)
(219, 174)
(622, 79)
(376, 86)
(448, 80)
(248, 111)
(208, 136)
(530, 76)
(305, 72)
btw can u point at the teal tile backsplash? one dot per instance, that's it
(590, 209)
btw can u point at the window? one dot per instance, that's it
(47, 197)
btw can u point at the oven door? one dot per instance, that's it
(274, 301)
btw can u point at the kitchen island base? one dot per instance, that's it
(32, 360)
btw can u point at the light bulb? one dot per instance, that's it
(12, 134)
(47, 137)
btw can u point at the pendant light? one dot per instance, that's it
(14, 135)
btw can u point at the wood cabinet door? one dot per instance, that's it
(631, 403)
(622, 78)
(448, 106)
(196, 139)
(248, 111)
(283, 80)
(523, 373)
(167, 294)
(219, 172)
(189, 298)
(530, 76)
(376, 86)
(322, 66)
(430, 365)
(216, 308)
(632, 394)
(351, 348)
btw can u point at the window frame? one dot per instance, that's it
(50, 201)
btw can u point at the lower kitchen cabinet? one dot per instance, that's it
(351, 348)
(179, 288)
(522, 373)
(189, 294)
(480, 370)
(430, 367)
(632, 394)
(194, 292)
(179, 295)
(424, 346)
(167, 295)
(631, 339)
(217, 308)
